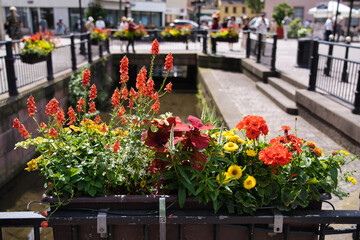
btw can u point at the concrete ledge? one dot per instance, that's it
(220, 62)
(256, 71)
(332, 118)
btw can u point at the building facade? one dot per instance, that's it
(235, 8)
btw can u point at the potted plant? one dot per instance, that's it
(37, 47)
(134, 158)
(280, 11)
(98, 36)
(177, 33)
(226, 35)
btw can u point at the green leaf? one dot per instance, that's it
(334, 175)
(181, 195)
(92, 191)
(200, 189)
(183, 174)
(98, 184)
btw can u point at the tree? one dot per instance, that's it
(280, 11)
(95, 10)
(255, 5)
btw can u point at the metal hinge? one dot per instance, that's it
(162, 218)
(278, 221)
(101, 224)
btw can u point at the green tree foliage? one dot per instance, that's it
(95, 10)
(282, 10)
(255, 5)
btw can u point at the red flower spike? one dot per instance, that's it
(124, 93)
(16, 123)
(44, 213)
(103, 128)
(97, 119)
(53, 133)
(31, 106)
(60, 117)
(92, 108)
(156, 107)
(44, 224)
(43, 125)
(131, 103)
(93, 92)
(133, 94)
(155, 47)
(168, 87)
(116, 146)
(115, 99)
(140, 82)
(52, 107)
(169, 62)
(285, 128)
(24, 133)
(150, 87)
(124, 70)
(86, 77)
(80, 105)
(72, 116)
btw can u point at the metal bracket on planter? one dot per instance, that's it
(101, 224)
(162, 218)
(278, 221)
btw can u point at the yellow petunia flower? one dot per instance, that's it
(344, 152)
(228, 133)
(251, 152)
(225, 178)
(233, 138)
(250, 182)
(352, 179)
(234, 171)
(231, 147)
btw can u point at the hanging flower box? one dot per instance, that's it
(32, 58)
(230, 40)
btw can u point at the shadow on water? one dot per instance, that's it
(26, 187)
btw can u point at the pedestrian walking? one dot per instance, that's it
(60, 27)
(89, 25)
(100, 23)
(245, 28)
(328, 28)
(13, 27)
(122, 27)
(262, 24)
(214, 27)
(286, 24)
(132, 28)
(43, 25)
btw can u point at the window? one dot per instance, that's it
(234, 10)
(74, 15)
(299, 12)
(244, 10)
(48, 14)
(226, 9)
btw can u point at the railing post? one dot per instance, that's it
(107, 45)
(258, 55)
(273, 53)
(186, 42)
(89, 48)
(248, 45)
(327, 69)
(10, 70)
(73, 55)
(314, 66)
(205, 42)
(82, 45)
(100, 49)
(344, 75)
(49, 67)
(356, 109)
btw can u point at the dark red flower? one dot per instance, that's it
(86, 77)
(92, 108)
(155, 47)
(24, 133)
(116, 146)
(115, 99)
(31, 106)
(53, 133)
(16, 123)
(93, 92)
(169, 62)
(44, 224)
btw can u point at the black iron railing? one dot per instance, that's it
(338, 76)
(264, 221)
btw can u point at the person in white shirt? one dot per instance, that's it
(122, 26)
(262, 24)
(328, 28)
(100, 23)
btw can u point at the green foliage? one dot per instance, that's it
(95, 10)
(280, 11)
(255, 5)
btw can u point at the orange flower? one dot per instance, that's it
(16, 123)
(124, 93)
(115, 99)
(169, 62)
(155, 47)
(52, 107)
(168, 87)
(60, 116)
(116, 146)
(86, 77)
(24, 133)
(53, 133)
(44, 224)
(254, 126)
(133, 94)
(155, 96)
(31, 106)
(311, 144)
(97, 119)
(72, 116)
(81, 103)
(140, 81)
(43, 125)
(156, 107)
(92, 108)
(93, 92)
(150, 87)
(318, 151)
(103, 128)
(275, 154)
(285, 128)
(121, 112)
(124, 70)
(131, 103)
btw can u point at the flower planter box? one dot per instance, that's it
(231, 40)
(32, 58)
(174, 39)
(149, 205)
(96, 42)
(126, 39)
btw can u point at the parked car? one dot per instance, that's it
(194, 25)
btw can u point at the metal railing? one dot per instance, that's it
(262, 47)
(340, 77)
(273, 222)
(76, 50)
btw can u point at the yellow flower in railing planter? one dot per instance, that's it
(176, 32)
(225, 33)
(100, 35)
(139, 32)
(39, 44)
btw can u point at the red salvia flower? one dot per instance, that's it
(155, 47)
(124, 120)
(133, 94)
(97, 119)
(72, 116)
(53, 133)
(115, 99)
(103, 128)
(43, 125)
(140, 81)
(80, 105)
(44, 213)
(52, 107)
(86, 77)
(60, 116)
(156, 107)
(107, 146)
(131, 103)
(16, 123)
(31, 106)
(116, 146)
(169, 62)
(92, 108)
(155, 96)
(124, 70)
(150, 87)
(93, 92)
(44, 224)
(168, 87)
(24, 133)
(121, 111)
(124, 93)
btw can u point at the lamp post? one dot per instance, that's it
(344, 75)
(328, 62)
(82, 46)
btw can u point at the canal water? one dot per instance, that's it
(27, 187)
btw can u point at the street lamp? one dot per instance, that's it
(82, 46)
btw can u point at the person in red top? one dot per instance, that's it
(131, 27)
(214, 27)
